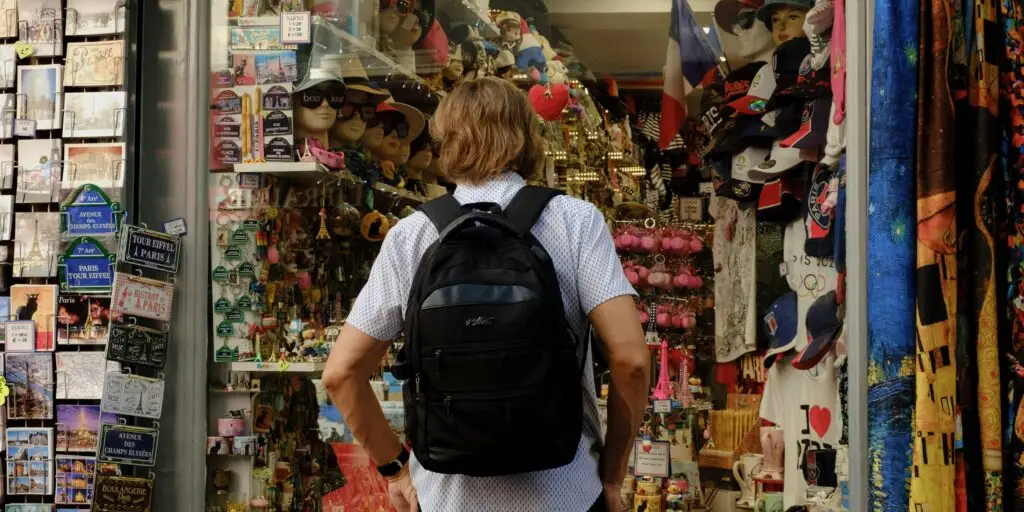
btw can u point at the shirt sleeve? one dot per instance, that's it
(378, 311)
(599, 275)
(771, 401)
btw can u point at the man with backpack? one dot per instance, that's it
(492, 290)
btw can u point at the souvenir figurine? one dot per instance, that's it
(785, 18)
(374, 226)
(359, 107)
(739, 18)
(317, 100)
(516, 37)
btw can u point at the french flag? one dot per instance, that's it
(689, 60)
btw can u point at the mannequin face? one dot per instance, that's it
(390, 148)
(350, 130)
(754, 39)
(407, 32)
(454, 69)
(403, 153)
(787, 23)
(372, 138)
(315, 120)
(421, 159)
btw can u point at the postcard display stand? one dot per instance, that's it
(63, 123)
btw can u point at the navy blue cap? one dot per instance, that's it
(823, 325)
(780, 322)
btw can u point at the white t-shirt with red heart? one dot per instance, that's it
(806, 405)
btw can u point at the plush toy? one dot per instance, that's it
(517, 38)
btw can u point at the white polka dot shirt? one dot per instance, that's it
(574, 233)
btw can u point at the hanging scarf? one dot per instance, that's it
(891, 262)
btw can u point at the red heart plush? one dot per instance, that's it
(549, 107)
(821, 420)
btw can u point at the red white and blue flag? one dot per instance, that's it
(689, 60)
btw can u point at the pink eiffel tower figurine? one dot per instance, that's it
(683, 392)
(663, 390)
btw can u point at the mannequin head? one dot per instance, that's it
(420, 152)
(316, 110)
(393, 126)
(352, 121)
(453, 71)
(739, 18)
(391, 12)
(403, 153)
(409, 31)
(787, 23)
(372, 137)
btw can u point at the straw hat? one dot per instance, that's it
(417, 121)
(329, 68)
(356, 78)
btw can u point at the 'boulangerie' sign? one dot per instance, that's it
(136, 345)
(123, 494)
(132, 395)
(122, 444)
(148, 248)
(142, 297)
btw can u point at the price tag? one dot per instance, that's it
(691, 208)
(25, 128)
(295, 27)
(662, 406)
(176, 227)
(783, 269)
(706, 187)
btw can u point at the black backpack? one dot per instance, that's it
(495, 383)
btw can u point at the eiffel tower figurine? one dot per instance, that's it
(663, 390)
(683, 392)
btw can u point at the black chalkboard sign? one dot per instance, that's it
(130, 344)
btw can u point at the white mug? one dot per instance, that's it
(744, 470)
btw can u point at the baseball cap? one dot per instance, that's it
(765, 12)
(780, 199)
(809, 82)
(739, 81)
(819, 219)
(781, 160)
(823, 326)
(727, 12)
(758, 94)
(780, 323)
(787, 61)
(814, 125)
(731, 174)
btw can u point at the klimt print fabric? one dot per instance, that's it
(932, 480)
(891, 253)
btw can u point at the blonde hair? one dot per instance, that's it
(484, 127)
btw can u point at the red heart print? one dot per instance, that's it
(550, 107)
(821, 420)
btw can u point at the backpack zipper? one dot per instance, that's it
(449, 397)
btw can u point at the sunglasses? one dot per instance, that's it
(746, 19)
(366, 112)
(401, 128)
(314, 97)
(402, 6)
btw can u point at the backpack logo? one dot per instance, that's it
(480, 321)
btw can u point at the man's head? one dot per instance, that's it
(486, 126)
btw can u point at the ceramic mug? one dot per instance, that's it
(773, 445)
(744, 470)
(770, 502)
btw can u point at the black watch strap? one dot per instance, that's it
(393, 468)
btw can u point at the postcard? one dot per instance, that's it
(94, 17)
(74, 479)
(95, 64)
(35, 244)
(276, 67)
(100, 164)
(94, 114)
(38, 303)
(39, 95)
(78, 427)
(243, 68)
(8, 18)
(8, 61)
(20, 335)
(32, 507)
(39, 170)
(258, 38)
(6, 212)
(30, 379)
(82, 319)
(80, 375)
(41, 24)
(7, 163)
(132, 395)
(29, 460)
(8, 113)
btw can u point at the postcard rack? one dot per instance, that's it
(67, 121)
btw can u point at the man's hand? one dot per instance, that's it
(402, 493)
(613, 497)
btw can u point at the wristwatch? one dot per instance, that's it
(393, 468)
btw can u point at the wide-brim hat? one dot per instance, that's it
(356, 79)
(328, 68)
(727, 12)
(765, 12)
(417, 121)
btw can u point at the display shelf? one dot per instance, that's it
(255, 367)
(464, 11)
(397, 192)
(222, 391)
(300, 172)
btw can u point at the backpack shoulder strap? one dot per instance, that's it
(526, 207)
(442, 211)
